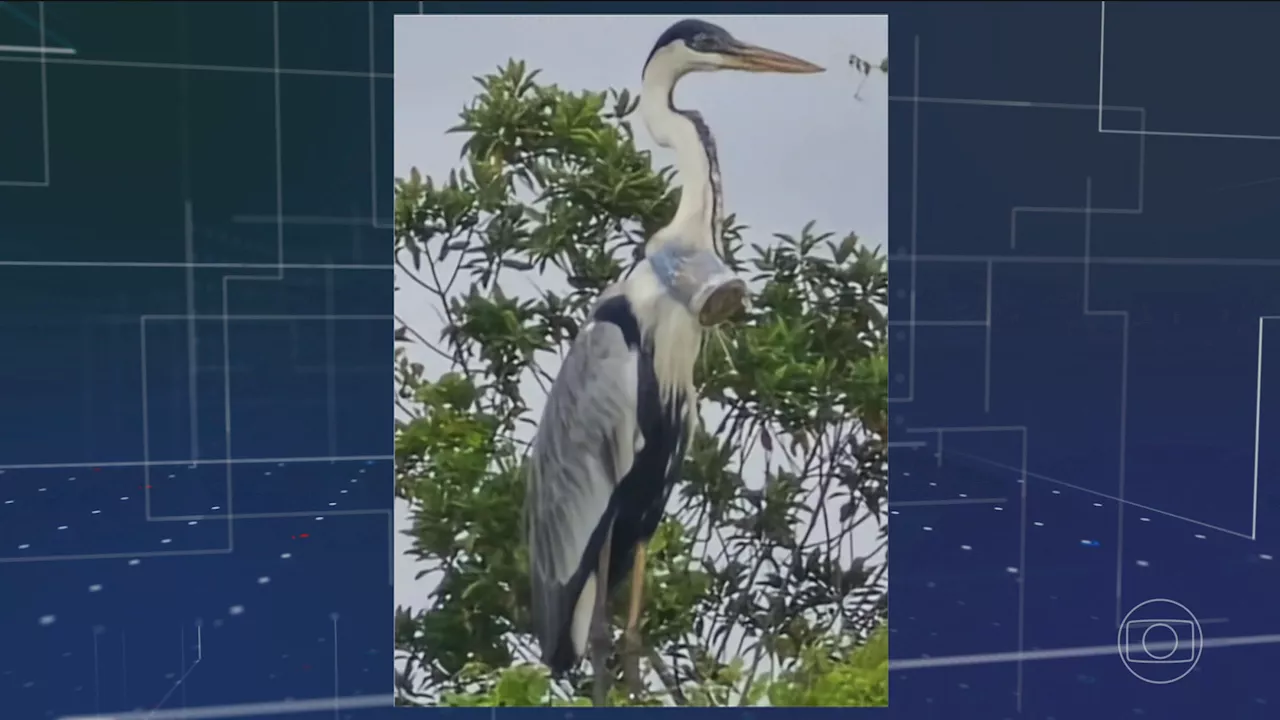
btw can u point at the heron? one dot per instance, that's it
(618, 417)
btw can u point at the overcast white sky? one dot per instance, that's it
(792, 148)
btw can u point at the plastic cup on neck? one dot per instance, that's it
(721, 302)
(719, 294)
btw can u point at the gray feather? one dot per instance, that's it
(584, 446)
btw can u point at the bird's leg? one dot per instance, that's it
(601, 637)
(631, 651)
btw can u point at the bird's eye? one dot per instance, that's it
(701, 40)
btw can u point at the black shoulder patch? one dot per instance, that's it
(617, 310)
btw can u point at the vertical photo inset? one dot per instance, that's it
(641, 372)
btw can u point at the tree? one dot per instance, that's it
(753, 590)
(864, 69)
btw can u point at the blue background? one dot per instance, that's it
(1086, 288)
(1132, 376)
(187, 181)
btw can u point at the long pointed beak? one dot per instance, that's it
(753, 58)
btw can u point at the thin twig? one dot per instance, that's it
(668, 679)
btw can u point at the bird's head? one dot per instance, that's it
(700, 46)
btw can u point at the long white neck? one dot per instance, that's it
(697, 220)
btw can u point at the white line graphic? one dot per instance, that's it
(37, 49)
(1062, 653)
(251, 710)
(42, 53)
(1102, 65)
(1022, 526)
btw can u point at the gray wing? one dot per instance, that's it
(585, 444)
